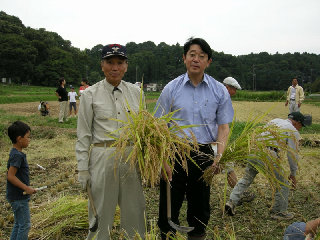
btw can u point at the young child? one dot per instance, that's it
(73, 103)
(18, 180)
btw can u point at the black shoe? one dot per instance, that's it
(229, 207)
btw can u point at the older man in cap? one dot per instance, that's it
(293, 124)
(109, 185)
(232, 85)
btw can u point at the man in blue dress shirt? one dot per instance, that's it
(205, 102)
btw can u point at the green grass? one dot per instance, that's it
(20, 94)
(245, 95)
(34, 120)
(25, 90)
(312, 129)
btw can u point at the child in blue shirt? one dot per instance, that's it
(18, 180)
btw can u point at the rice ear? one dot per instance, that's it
(155, 141)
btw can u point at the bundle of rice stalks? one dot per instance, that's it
(252, 144)
(154, 141)
(66, 215)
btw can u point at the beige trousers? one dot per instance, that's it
(63, 114)
(109, 188)
(293, 107)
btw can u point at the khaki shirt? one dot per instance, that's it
(299, 94)
(97, 104)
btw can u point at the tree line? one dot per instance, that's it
(41, 57)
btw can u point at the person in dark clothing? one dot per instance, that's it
(62, 94)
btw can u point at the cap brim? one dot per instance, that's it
(111, 55)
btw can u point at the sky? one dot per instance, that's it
(236, 27)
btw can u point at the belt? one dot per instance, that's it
(292, 99)
(104, 144)
(273, 149)
(108, 144)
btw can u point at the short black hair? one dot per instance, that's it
(199, 41)
(295, 78)
(60, 81)
(84, 80)
(17, 129)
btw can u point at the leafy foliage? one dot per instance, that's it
(47, 56)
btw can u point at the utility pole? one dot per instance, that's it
(311, 82)
(253, 76)
(136, 73)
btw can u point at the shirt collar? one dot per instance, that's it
(187, 79)
(110, 87)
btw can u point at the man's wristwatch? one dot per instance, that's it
(219, 154)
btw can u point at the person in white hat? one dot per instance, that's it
(232, 85)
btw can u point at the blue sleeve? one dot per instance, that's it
(163, 104)
(16, 161)
(225, 110)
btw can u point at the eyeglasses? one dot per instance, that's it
(200, 56)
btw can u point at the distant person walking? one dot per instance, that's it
(73, 101)
(295, 96)
(84, 86)
(62, 94)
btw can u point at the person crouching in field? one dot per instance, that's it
(18, 180)
(73, 102)
(293, 124)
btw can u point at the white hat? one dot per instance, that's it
(231, 82)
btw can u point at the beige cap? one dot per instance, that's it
(232, 82)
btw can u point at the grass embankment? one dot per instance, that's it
(18, 94)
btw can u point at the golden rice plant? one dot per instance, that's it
(252, 144)
(65, 214)
(154, 141)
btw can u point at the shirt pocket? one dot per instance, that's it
(208, 116)
(104, 114)
(209, 112)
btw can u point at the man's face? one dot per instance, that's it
(297, 125)
(114, 69)
(294, 82)
(232, 90)
(72, 89)
(196, 60)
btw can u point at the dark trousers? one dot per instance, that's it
(196, 190)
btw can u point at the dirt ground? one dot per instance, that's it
(242, 109)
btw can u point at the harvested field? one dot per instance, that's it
(29, 108)
(242, 109)
(53, 148)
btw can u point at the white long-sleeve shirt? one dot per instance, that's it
(291, 141)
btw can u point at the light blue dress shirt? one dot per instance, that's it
(207, 105)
